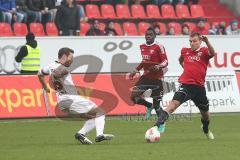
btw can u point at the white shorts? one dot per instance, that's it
(75, 104)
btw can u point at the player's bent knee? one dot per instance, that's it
(96, 111)
(203, 107)
(173, 105)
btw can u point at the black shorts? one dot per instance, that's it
(156, 86)
(196, 93)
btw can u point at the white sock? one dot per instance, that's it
(100, 122)
(87, 127)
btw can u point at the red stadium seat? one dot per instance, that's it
(191, 26)
(92, 11)
(138, 11)
(209, 2)
(197, 11)
(142, 27)
(51, 29)
(182, 11)
(118, 29)
(102, 26)
(177, 27)
(5, 29)
(37, 29)
(20, 29)
(217, 11)
(84, 28)
(207, 25)
(108, 11)
(122, 11)
(163, 28)
(130, 29)
(215, 24)
(168, 11)
(153, 11)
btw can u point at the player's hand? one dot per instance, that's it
(155, 68)
(204, 39)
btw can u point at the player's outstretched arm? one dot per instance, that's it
(43, 83)
(210, 47)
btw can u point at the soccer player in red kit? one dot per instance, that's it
(154, 60)
(194, 61)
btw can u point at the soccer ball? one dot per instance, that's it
(152, 135)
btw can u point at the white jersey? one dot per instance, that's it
(62, 86)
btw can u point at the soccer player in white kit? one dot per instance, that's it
(68, 99)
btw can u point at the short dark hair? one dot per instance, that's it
(151, 29)
(64, 51)
(30, 37)
(193, 34)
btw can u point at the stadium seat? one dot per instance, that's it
(102, 26)
(190, 25)
(20, 29)
(51, 29)
(207, 25)
(108, 11)
(209, 2)
(92, 11)
(197, 11)
(168, 11)
(122, 11)
(118, 29)
(215, 24)
(130, 29)
(217, 11)
(5, 29)
(177, 27)
(163, 28)
(138, 11)
(142, 27)
(84, 28)
(182, 11)
(153, 11)
(37, 29)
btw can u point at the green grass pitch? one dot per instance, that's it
(52, 139)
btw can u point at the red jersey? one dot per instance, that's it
(152, 55)
(195, 66)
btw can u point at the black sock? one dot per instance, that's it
(142, 101)
(157, 110)
(205, 125)
(162, 117)
(156, 105)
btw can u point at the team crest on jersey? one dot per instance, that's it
(199, 54)
(151, 51)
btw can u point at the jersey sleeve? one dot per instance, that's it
(163, 56)
(44, 71)
(183, 52)
(205, 52)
